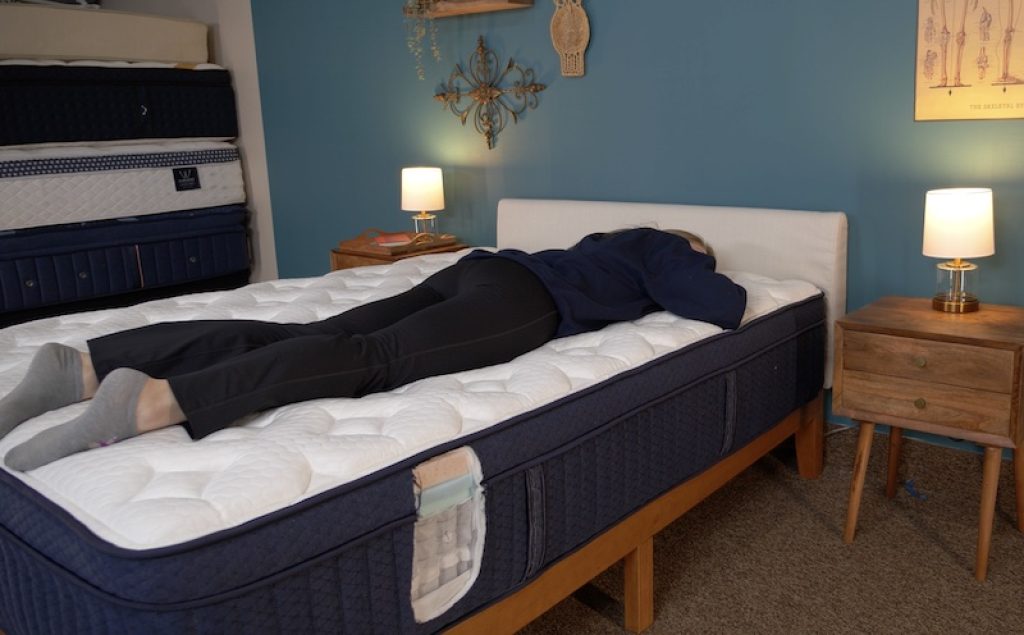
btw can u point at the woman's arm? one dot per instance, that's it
(684, 282)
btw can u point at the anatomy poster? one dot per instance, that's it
(970, 60)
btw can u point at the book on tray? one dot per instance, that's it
(393, 240)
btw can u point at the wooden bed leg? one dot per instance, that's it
(639, 586)
(810, 439)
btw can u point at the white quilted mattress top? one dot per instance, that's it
(163, 488)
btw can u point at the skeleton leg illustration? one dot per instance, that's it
(1005, 77)
(961, 40)
(943, 45)
(985, 25)
(948, 11)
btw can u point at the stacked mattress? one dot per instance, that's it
(49, 101)
(118, 182)
(304, 518)
(47, 31)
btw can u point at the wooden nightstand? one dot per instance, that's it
(362, 250)
(901, 363)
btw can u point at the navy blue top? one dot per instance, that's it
(625, 275)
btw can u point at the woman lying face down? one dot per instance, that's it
(487, 308)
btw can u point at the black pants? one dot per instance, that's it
(472, 314)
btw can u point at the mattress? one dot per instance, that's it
(52, 186)
(316, 498)
(70, 33)
(59, 264)
(51, 102)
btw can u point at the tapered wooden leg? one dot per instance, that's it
(810, 439)
(989, 486)
(1018, 483)
(639, 583)
(895, 447)
(860, 468)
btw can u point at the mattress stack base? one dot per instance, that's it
(50, 269)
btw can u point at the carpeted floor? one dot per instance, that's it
(765, 554)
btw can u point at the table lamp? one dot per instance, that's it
(957, 225)
(423, 192)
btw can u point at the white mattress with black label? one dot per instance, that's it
(58, 185)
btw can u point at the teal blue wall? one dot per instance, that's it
(804, 104)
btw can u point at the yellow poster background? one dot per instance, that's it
(970, 60)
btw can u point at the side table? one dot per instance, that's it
(901, 363)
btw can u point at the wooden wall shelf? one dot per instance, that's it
(447, 8)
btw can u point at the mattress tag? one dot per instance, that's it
(186, 178)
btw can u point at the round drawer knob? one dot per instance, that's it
(920, 362)
(30, 283)
(920, 403)
(83, 274)
(193, 259)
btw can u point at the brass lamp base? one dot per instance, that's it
(968, 305)
(955, 277)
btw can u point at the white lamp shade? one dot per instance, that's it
(422, 189)
(958, 223)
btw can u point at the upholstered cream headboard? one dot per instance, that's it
(780, 244)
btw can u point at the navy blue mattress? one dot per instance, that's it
(60, 264)
(341, 562)
(62, 104)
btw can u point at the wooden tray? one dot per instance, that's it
(367, 243)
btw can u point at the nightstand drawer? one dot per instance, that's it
(961, 408)
(929, 361)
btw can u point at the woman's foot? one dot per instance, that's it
(58, 376)
(127, 403)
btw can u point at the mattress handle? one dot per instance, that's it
(138, 263)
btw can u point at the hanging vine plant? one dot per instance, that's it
(419, 25)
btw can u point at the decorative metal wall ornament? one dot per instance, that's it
(491, 103)
(570, 34)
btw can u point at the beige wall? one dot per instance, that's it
(232, 46)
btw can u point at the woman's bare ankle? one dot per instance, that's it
(157, 407)
(90, 383)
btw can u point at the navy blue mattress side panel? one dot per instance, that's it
(554, 478)
(653, 450)
(68, 263)
(361, 589)
(64, 104)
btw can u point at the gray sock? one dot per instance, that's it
(53, 380)
(109, 418)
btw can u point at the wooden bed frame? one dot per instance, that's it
(633, 538)
(781, 244)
